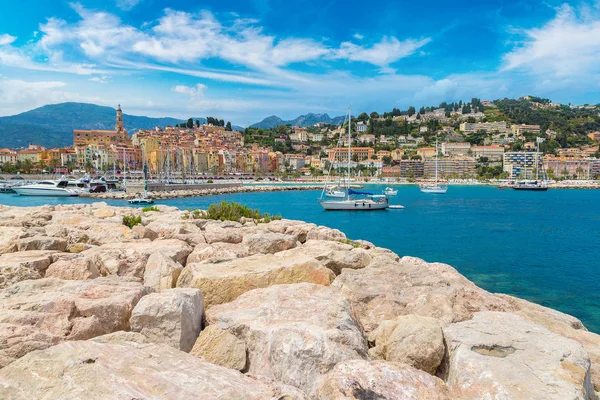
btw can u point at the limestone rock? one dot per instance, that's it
(360, 380)
(386, 290)
(126, 370)
(168, 227)
(121, 336)
(41, 243)
(143, 232)
(269, 243)
(221, 348)
(410, 339)
(40, 313)
(75, 267)
(16, 267)
(225, 281)
(502, 356)
(294, 333)
(325, 233)
(214, 234)
(161, 272)
(9, 237)
(217, 252)
(172, 317)
(564, 325)
(354, 259)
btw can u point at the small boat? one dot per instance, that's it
(388, 191)
(141, 199)
(46, 188)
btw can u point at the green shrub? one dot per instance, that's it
(152, 208)
(210, 181)
(232, 211)
(131, 220)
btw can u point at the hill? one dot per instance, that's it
(53, 125)
(303, 120)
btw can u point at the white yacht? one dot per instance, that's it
(435, 188)
(335, 192)
(46, 188)
(348, 203)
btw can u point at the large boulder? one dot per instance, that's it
(217, 252)
(121, 336)
(161, 272)
(73, 267)
(361, 380)
(41, 243)
(410, 339)
(564, 325)
(172, 317)
(16, 267)
(37, 314)
(387, 289)
(215, 233)
(8, 238)
(225, 281)
(128, 370)
(502, 356)
(269, 243)
(221, 348)
(325, 233)
(293, 333)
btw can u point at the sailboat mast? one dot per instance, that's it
(537, 161)
(436, 160)
(349, 140)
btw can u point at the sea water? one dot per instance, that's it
(540, 246)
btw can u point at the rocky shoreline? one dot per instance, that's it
(172, 194)
(180, 307)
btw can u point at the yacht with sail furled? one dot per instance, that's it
(351, 201)
(436, 188)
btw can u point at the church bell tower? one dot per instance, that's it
(119, 126)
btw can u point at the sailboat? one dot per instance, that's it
(537, 185)
(435, 188)
(142, 198)
(347, 203)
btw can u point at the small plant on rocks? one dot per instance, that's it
(152, 208)
(131, 220)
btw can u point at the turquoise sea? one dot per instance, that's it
(541, 246)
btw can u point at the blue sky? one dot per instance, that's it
(245, 60)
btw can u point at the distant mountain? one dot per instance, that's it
(303, 120)
(53, 125)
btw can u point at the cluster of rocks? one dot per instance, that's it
(172, 194)
(179, 307)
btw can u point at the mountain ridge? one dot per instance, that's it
(303, 120)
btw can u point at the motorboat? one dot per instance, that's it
(46, 188)
(388, 191)
(141, 198)
(540, 186)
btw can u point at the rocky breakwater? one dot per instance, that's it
(180, 307)
(172, 194)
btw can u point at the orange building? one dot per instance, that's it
(341, 153)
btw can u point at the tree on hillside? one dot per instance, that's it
(364, 117)
(197, 123)
(190, 123)
(374, 115)
(411, 111)
(228, 126)
(422, 110)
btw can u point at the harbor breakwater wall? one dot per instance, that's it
(135, 188)
(179, 305)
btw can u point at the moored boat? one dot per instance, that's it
(46, 188)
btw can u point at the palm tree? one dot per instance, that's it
(579, 171)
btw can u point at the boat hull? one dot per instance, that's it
(438, 190)
(353, 205)
(534, 189)
(49, 192)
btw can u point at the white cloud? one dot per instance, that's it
(100, 79)
(567, 46)
(192, 91)
(127, 5)
(387, 51)
(6, 39)
(358, 36)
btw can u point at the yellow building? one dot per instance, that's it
(426, 152)
(341, 153)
